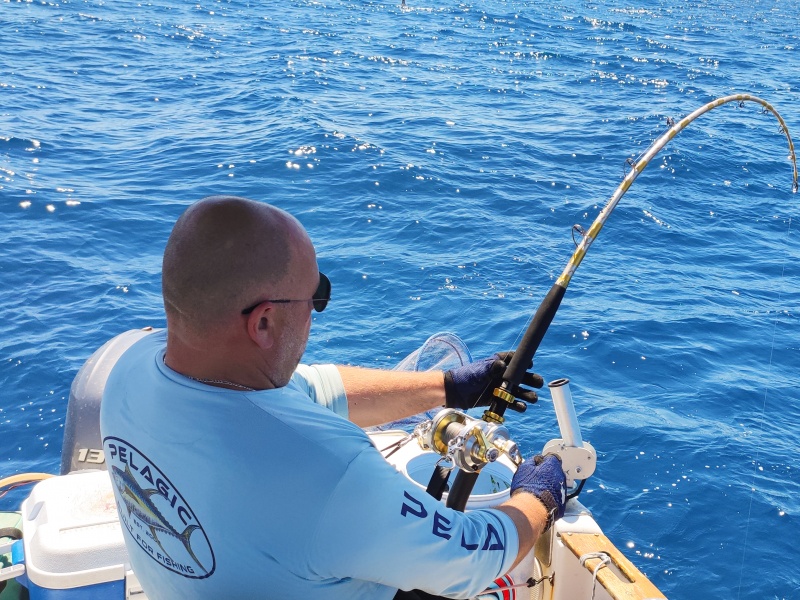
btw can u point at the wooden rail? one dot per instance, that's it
(631, 585)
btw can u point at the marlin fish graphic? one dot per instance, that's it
(138, 503)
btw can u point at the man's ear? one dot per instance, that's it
(261, 326)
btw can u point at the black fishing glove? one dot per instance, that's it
(473, 384)
(543, 477)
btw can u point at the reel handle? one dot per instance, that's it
(518, 406)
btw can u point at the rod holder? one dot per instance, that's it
(565, 413)
(578, 458)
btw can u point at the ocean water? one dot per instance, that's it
(439, 154)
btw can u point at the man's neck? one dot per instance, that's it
(215, 362)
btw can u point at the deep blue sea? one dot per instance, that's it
(439, 154)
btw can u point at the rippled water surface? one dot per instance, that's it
(438, 155)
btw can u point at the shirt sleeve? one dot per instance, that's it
(379, 527)
(324, 386)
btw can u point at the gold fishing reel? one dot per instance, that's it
(465, 441)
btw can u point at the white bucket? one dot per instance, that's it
(491, 488)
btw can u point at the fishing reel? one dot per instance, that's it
(469, 444)
(464, 441)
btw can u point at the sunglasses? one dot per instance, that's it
(319, 299)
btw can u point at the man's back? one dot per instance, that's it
(182, 456)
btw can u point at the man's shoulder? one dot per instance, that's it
(148, 345)
(131, 364)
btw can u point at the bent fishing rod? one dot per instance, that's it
(504, 395)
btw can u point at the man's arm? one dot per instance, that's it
(538, 498)
(376, 396)
(530, 518)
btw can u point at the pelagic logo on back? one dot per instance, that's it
(155, 514)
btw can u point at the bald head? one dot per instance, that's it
(223, 254)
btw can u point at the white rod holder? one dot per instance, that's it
(565, 413)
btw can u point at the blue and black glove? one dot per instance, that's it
(543, 477)
(472, 384)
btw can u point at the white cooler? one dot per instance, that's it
(74, 549)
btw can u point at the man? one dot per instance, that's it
(236, 471)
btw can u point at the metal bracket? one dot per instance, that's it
(576, 462)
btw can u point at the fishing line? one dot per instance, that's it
(763, 414)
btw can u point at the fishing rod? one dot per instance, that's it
(504, 395)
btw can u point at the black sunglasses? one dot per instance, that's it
(320, 297)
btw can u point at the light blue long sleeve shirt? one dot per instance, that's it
(275, 494)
